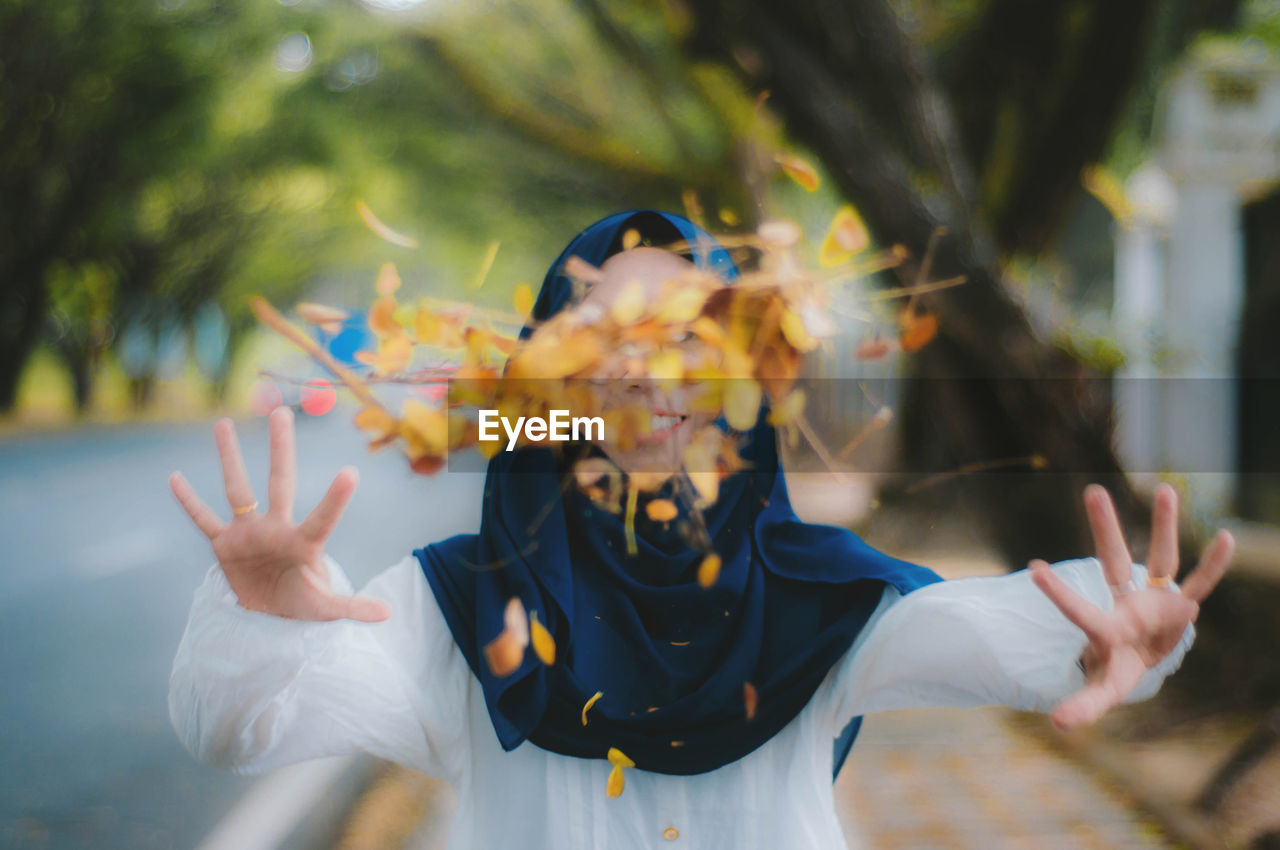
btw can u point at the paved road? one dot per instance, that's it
(962, 779)
(98, 569)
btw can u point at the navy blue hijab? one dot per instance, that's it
(670, 656)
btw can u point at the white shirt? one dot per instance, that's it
(251, 692)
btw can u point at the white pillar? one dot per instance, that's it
(1203, 304)
(1140, 438)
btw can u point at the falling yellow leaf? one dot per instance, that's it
(425, 428)
(382, 317)
(709, 570)
(799, 170)
(629, 521)
(749, 699)
(616, 783)
(382, 230)
(630, 239)
(742, 403)
(543, 643)
(490, 254)
(427, 327)
(681, 304)
(846, 237)
(666, 366)
(661, 510)
(594, 697)
(793, 328)
(378, 422)
(617, 758)
(523, 300)
(728, 217)
(629, 305)
(786, 411)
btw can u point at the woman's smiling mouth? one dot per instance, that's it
(662, 424)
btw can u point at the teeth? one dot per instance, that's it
(662, 423)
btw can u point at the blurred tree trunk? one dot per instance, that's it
(852, 85)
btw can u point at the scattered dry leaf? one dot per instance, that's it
(587, 707)
(543, 643)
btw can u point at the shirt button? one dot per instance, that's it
(671, 833)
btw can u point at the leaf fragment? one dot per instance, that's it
(916, 329)
(846, 238)
(523, 299)
(661, 510)
(544, 645)
(799, 170)
(587, 707)
(750, 699)
(616, 783)
(709, 570)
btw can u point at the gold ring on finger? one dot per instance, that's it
(247, 509)
(1160, 581)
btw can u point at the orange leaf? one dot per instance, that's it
(709, 570)
(382, 317)
(799, 170)
(661, 510)
(543, 643)
(916, 329)
(749, 699)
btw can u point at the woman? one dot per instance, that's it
(736, 703)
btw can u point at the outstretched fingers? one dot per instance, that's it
(234, 475)
(1108, 538)
(1089, 617)
(320, 523)
(1162, 558)
(201, 514)
(1213, 564)
(1088, 704)
(282, 482)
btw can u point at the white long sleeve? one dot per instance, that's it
(250, 691)
(979, 641)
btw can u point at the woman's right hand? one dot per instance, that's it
(272, 564)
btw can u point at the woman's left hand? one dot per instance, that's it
(1146, 623)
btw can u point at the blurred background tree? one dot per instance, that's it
(163, 160)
